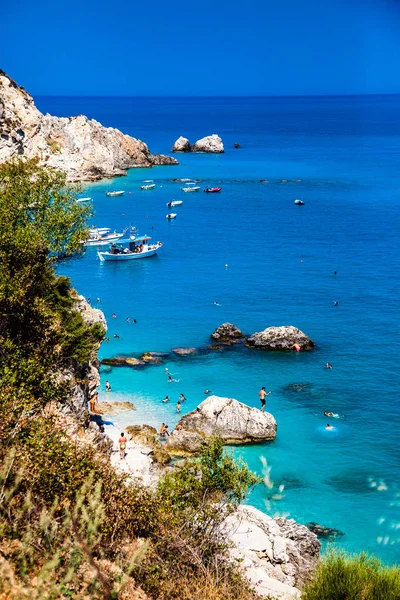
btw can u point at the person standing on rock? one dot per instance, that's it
(263, 394)
(122, 445)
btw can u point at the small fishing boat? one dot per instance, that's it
(174, 203)
(299, 202)
(83, 199)
(191, 187)
(120, 193)
(171, 216)
(131, 248)
(102, 236)
(213, 190)
(148, 184)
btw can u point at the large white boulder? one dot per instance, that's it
(210, 144)
(233, 421)
(286, 338)
(277, 556)
(182, 144)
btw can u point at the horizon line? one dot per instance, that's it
(273, 96)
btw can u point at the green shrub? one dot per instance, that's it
(358, 577)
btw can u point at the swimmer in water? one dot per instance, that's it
(336, 303)
(328, 366)
(207, 392)
(166, 399)
(217, 304)
(331, 414)
(329, 427)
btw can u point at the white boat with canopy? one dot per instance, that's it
(148, 184)
(131, 248)
(191, 187)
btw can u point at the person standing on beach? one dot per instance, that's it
(122, 445)
(263, 394)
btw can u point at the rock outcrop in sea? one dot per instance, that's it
(82, 147)
(227, 334)
(184, 443)
(211, 144)
(233, 421)
(286, 339)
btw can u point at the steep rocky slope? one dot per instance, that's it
(83, 148)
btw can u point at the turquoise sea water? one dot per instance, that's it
(281, 259)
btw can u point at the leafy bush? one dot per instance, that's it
(359, 577)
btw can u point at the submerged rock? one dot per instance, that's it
(184, 351)
(227, 334)
(233, 421)
(210, 144)
(123, 361)
(184, 443)
(82, 147)
(326, 533)
(284, 339)
(151, 358)
(182, 144)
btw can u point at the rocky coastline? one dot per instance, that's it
(82, 147)
(276, 556)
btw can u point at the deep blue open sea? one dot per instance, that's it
(281, 260)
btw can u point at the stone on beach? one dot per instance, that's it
(233, 421)
(227, 334)
(211, 144)
(283, 338)
(82, 147)
(145, 434)
(182, 144)
(184, 443)
(113, 408)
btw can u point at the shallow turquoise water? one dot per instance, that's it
(281, 260)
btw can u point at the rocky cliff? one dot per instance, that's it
(83, 148)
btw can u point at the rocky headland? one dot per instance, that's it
(211, 144)
(82, 147)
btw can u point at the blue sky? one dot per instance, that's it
(212, 47)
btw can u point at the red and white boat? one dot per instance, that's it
(213, 190)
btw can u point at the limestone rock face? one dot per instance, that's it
(280, 338)
(114, 408)
(277, 555)
(183, 443)
(211, 144)
(233, 421)
(182, 144)
(144, 434)
(227, 334)
(83, 148)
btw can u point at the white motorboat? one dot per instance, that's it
(131, 248)
(120, 193)
(171, 216)
(299, 202)
(148, 184)
(191, 187)
(174, 203)
(83, 199)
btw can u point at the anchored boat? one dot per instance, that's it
(131, 248)
(148, 184)
(171, 216)
(120, 193)
(191, 187)
(174, 203)
(213, 190)
(299, 202)
(83, 199)
(102, 236)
